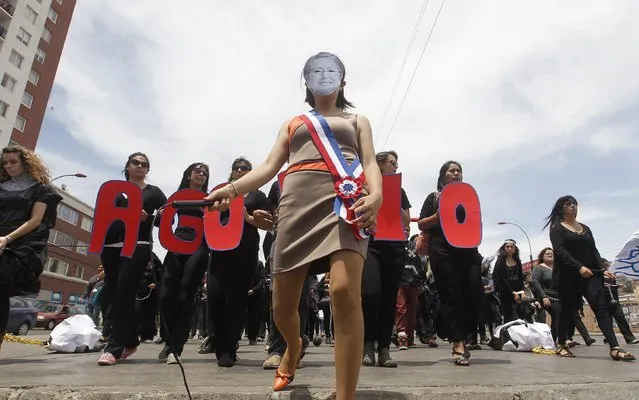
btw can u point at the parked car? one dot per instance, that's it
(22, 316)
(50, 315)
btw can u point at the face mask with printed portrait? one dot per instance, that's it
(323, 76)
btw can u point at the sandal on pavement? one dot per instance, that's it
(619, 354)
(461, 359)
(564, 351)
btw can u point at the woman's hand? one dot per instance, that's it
(263, 216)
(3, 243)
(546, 302)
(366, 208)
(585, 272)
(222, 198)
(609, 276)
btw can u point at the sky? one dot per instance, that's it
(535, 99)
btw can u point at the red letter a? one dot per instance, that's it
(106, 213)
(467, 233)
(167, 238)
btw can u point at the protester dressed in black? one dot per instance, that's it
(509, 280)
(579, 271)
(123, 274)
(383, 268)
(229, 278)
(183, 273)
(27, 213)
(457, 272)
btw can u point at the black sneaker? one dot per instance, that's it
(164, 354)
(227, 360)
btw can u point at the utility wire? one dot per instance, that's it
(414, 72)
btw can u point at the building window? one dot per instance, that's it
(40, 56)
(81, 247)
(27, 99)
(68, 214)
(53, 15)
(23, 36)
(8, 82)
(31, 15)
(61, 239)
(87, 223)
(20, 123)
(79, 272)
(16, 58)
(56, 266)
(34, 77)
(4, 107)
(46, 35)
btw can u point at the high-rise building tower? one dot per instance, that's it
(32, 36)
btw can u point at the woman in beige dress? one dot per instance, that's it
(311, 238)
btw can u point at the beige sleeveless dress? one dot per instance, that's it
(308, 231)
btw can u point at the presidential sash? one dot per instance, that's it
(349, 178)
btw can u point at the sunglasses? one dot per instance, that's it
(138, 163)
(243, 168)
(201, 171)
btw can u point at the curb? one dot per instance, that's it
(594, 391)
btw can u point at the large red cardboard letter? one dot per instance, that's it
(389, 217)
(225, 237)
(168, 240)
(462, 234)
(106, 213)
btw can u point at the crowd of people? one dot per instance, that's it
(321, 222)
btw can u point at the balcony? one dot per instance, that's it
(3, 33)
(7, 8)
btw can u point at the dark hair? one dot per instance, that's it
(125, 171)
(341, 101)
(382, 156)
(186, 177)
(442, 173)
(557, 213)
(501, 253)
(238, 160)
(540, 257)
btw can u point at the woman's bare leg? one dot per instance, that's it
(287, 290)
(346, 302)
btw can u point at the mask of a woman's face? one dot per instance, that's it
(324, 77)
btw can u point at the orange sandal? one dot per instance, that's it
(282, 380)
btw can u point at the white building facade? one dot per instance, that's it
(21, 27)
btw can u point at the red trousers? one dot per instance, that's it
(407, 297)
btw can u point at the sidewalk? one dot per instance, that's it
(29, 372)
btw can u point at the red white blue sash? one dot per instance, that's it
(349, 178)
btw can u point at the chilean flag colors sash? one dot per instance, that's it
(349, 178)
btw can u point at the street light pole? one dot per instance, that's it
(77, 175)
(527, 238)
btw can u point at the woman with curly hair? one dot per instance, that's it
(28, 206)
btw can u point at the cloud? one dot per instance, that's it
(520, 93)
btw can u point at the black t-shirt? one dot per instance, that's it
(405, 206)
(152, 199)
(255, 200)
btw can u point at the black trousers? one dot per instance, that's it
(145, 313)
(383, 268)
(578, 323)
(4, 314)
(325, 308)
(459, 286)
(555, 311)
(122, 279)
(229, 281)
(253, 311)
(181, 278)
(594, 292)
(622, 323)
(277, 343)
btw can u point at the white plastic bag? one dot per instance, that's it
(529, 336)
(75, 334)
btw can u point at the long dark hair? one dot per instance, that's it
(442, 173)
(125, 171)
(501, 253)
(186, 177)
(341, 101)
(557, 213)
(540, 257)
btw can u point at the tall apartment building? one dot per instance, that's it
(69, 267)
(32, 36)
